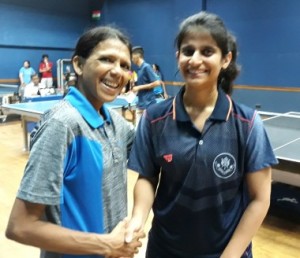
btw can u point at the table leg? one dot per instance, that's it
(25, 133)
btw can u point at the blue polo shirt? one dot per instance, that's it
(145, 75)
(202, 192)
(77, 167)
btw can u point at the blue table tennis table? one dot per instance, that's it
(33, 110)
(284, 134)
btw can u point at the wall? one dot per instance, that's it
(30, 28)
(153, 25)
(268, 35)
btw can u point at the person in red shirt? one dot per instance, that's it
(45, 69)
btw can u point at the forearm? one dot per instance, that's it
(26, 226)
(21, 78)
(144, 193)
(54, 238)
(147, 86)
(246, 229)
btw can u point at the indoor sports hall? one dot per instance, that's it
(268, 39)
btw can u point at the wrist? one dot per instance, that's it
(105, 248)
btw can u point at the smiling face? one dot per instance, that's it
(104, 73)
(200, 60)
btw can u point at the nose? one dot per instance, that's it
(196, 58)
(116, 69)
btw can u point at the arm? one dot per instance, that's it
(165, 90)
(21, 77)
(259, 187)
(148, 86)
(144, 193)
(26, 226)
(45, 68)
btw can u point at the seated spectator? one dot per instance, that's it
(33, 88)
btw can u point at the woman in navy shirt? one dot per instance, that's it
(204, 160)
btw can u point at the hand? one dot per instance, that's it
(134, 227)
(117, 245)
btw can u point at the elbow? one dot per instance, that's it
(11, 232)
(15, 232)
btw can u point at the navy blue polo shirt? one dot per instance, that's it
(202, 192)
(145, 75)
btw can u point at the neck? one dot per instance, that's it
(200, 99)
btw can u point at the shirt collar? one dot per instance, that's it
(221, 111)
(85, 108)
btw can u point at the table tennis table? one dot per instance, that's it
(32, 112)
(8, 94)
(284, 133)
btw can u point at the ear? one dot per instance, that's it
(177, 55)
(226, 60)
(77, 65)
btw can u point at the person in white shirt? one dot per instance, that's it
(33, 88)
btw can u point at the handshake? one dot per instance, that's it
(124, 240)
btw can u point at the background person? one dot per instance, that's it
(33, 88)
(211, 156)
(145, 82)
(25, 73)
(160, 90)
(72, 200)
(45, 70)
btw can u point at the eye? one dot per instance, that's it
(125, 66)
(187, 51)
(208, 51)
(105, 59)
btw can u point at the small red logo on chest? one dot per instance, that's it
(168, 157)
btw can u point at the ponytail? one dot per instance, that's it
(228, 75)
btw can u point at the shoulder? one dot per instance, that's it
(64, 113)
(243, 112)
(160, 110)
(119, 121)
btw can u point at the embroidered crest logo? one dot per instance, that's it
(168, 157)
(224, 165)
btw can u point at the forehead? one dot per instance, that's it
(112, 47)
(198, 37)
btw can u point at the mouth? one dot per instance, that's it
(110, 84)
(197, 72)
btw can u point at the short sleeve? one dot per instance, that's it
(259, 153)
(142, 157)
(151, 74)
(42, 180)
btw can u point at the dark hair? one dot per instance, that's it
(225, 41)
(158, 71)
(91, 38)
(45, 55)
(138, 50)
(34, 74)
(28, 62)
(156, 67)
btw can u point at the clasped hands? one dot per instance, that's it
(125, 239)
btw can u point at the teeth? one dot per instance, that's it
(110, 84)
(197, 71)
